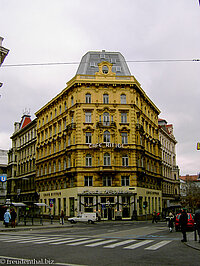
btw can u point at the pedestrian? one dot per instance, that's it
(183, 223)
(13, 218)
(7, 218)
(62, 215)
(170, 219)
(197, 220)
(154, 217)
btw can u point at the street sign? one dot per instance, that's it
(3, 178)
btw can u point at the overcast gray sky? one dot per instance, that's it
(44, 31)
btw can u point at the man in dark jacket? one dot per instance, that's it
(183, 223)
(197, 220)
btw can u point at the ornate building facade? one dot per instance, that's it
(98, 146)
(21, 162)
(170, 170)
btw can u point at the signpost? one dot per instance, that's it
(3, 178)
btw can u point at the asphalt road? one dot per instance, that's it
(104, 243)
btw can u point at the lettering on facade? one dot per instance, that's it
(106, 145)
(152, 193)
(52, 194)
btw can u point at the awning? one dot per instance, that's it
(40, 204)
(18, 204)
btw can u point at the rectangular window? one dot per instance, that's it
(125, 160)
(88, 98)
(124, 138)
(88, 117)
(88, 181)
(123, 117)
(88, 137)
(125, 180)
(107, 181)
(105, 98)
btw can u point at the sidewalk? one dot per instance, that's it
(37, 225)
(191, 242)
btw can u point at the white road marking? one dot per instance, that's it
(101, 243)
(85, 242)
(159, 245)
(120, 243)
(142, 243)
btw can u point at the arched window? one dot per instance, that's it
(55, 112)
(49, 168)
(88, 98)
(60, 109)
(106, 119)
(106, 136)
(106, 159)
(123, 99)
(88, 160)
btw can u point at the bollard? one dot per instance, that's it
(32, 219)
(195, 233)
(51, 219)
(25, 220)
(41, 221)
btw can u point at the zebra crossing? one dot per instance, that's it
(127, 244)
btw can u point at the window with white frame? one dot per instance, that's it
(124, 137)
(107, 181)
(106, 119)
(88, 117)
(106, 136)
(125, 180)
(88, 98)
(106, 159)
(123, 117)
(88, 160)
(88, 137)
(123, 98)
(88, 181)
(125, 160)
(105, 98)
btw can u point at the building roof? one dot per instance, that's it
(190, 178)
(26, 119)
(89, 63)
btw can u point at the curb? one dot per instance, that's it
(28, 228)
(191, 246)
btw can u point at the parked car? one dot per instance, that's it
(84, 217)
(190, 223)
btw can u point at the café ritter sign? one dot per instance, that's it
(106, 145)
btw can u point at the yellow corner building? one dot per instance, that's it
(98, 148)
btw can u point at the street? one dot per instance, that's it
(104, 243)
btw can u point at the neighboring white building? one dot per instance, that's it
(170, 171)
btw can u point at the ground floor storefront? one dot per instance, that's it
(112, 203)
